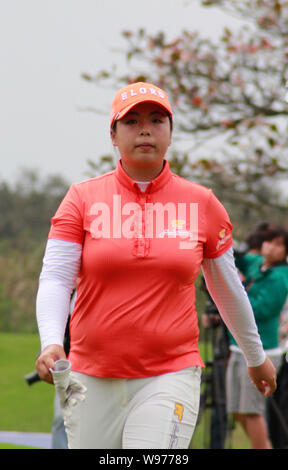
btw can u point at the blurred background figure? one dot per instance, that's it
(253, 243)
(216, 334)
(265, 277)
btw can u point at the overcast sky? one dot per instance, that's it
(44, 48)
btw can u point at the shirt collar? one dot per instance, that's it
(156, 184)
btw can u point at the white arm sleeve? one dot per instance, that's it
(228, 293)
(57, 280)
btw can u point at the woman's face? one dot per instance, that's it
(274, 250)
(143, 136)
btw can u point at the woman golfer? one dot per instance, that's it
(135, 240)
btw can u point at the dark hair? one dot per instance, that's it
(278, 231)
(259, 234)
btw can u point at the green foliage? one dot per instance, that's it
(26, 209)
(6, 306)
(18, 287)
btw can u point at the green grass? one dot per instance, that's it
(30, 409)
(22, 408)
(236, 438)
(5, 445)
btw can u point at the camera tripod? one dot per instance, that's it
(219, 426)
(213, 395)
(277, 409)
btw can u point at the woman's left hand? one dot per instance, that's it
(264, 377)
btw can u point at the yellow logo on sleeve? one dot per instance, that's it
(222, 233)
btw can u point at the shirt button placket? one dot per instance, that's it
(141, 232)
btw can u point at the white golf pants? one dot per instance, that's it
(150, 413)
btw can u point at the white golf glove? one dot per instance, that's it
(69, 389)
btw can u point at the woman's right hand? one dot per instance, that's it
(46, 361)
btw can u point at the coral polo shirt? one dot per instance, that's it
(135, 312)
